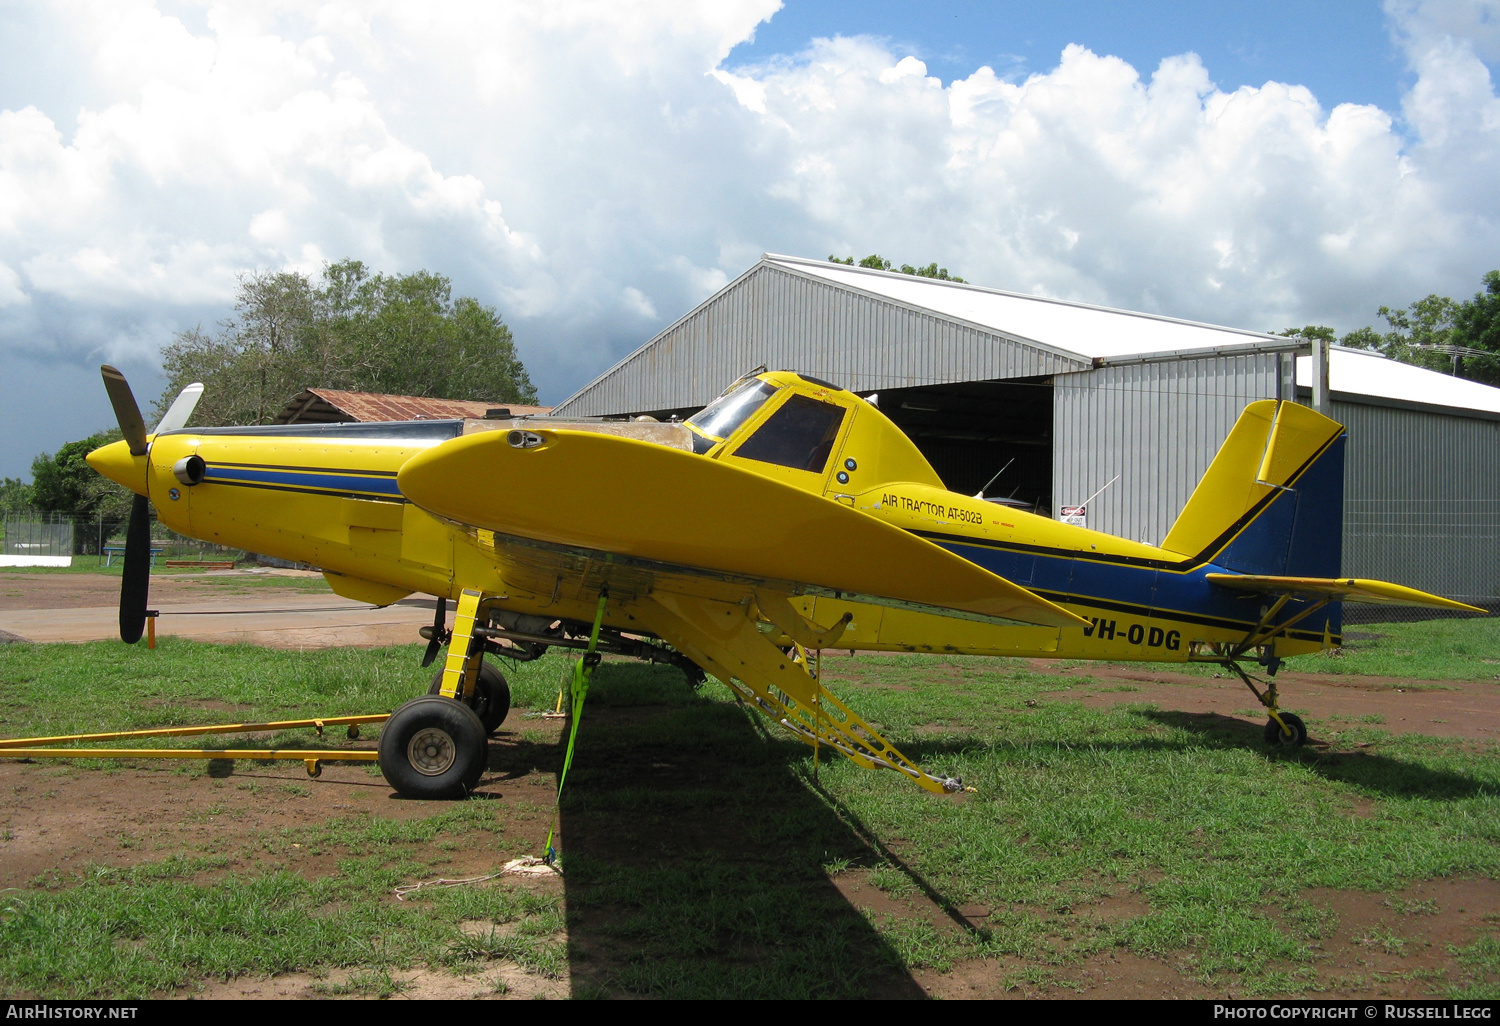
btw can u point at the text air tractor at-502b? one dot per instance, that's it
(786, 517)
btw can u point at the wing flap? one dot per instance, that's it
(1348, 589)
(666, 507)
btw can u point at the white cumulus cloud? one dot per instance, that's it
(594, 170)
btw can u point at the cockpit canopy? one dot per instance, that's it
(723, 417)
(780, 422)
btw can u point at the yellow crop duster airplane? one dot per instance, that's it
(788, 516)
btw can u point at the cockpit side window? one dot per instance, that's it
(800, 435)
(722, 417)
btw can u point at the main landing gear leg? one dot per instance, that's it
(1283, 729)
(433, 746)
(465, 676)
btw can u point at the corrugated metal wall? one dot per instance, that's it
(1157, 425)
(788, 321)
(1422, 500)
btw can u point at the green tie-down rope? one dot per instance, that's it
(582, 671)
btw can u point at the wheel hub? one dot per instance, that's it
(431, 752)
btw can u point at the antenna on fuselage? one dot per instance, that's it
(1100, 492)
(980, 494)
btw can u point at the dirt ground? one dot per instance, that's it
(1468, 709)
(60, 819)
(224, 607)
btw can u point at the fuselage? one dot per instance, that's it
(328, 495)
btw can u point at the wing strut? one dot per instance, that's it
(723, 638)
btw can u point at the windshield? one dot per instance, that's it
(800, 435)
(721, 417)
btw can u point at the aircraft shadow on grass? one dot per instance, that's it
(694, 854)
(1380, 773)
(1383, 774)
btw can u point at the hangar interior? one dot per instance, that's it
(976, 433)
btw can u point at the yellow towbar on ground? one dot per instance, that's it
(38, 747)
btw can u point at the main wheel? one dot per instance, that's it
(433, 748)
(491, 696)
(1277, 737)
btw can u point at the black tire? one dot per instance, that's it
(1277, 738)
(433, 748)
(491, 696)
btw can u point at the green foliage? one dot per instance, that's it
(879, 263)
(350, 329)
(63, 482)
(1320, 331)
(1476, 323)
(1434, 321)
(15, 496)
(1364, 338)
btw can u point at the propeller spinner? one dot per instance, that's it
(135, 579)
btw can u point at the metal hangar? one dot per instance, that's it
(1074, 405)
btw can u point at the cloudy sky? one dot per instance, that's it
(594, 169)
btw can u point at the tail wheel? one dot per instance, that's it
(491, 696)
(1279, 738)
(433, 748)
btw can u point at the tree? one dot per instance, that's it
(400, 334)
(1426, 333)
(63, 482)
(880, 263)
(1477, 325)
(1319, 331)
(15, 496)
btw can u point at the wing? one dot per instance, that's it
(1348, 589)
(674, 512)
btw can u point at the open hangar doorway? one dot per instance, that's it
(969, 431)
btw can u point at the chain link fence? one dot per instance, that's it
(93, 540)
(1449, 547)
(36, 538)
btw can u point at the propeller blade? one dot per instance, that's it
(435, 643)
(135, 581)
(181, 409)
(127, 412)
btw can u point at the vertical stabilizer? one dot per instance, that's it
(1272, 501)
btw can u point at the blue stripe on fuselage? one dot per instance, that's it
(323, 480)
(1143, 591)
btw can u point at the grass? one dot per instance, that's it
(209, 578)
(703, 858)
(102, 686)
(152, 929)
(246, 581)
(1462, 648)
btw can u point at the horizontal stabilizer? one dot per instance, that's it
(651, 503)
(1347, 589)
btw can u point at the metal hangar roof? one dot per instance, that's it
(869, 330)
